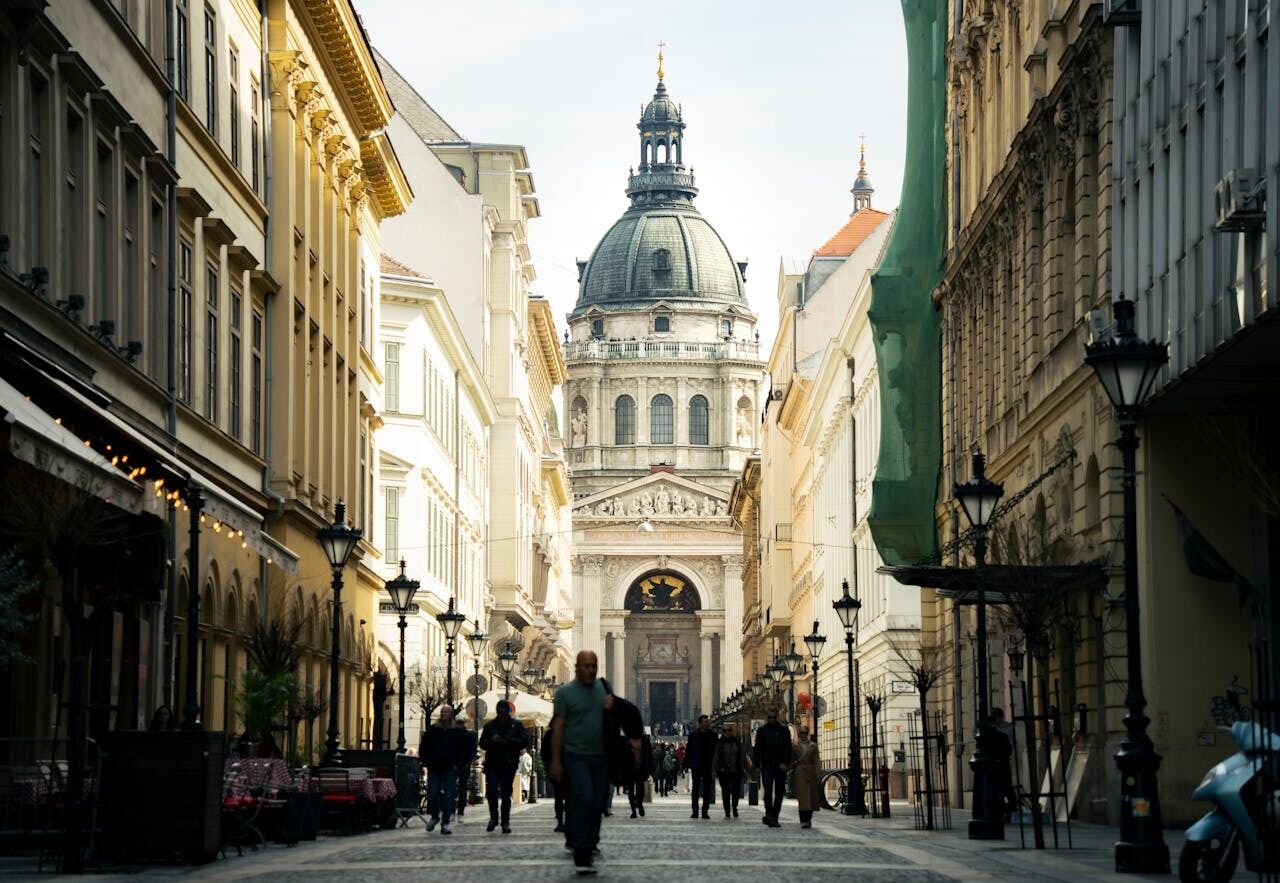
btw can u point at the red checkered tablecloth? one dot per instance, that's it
(373, 790)
(256, 773)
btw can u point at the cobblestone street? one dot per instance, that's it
(665, 845)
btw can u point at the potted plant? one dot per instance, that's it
(262, 699)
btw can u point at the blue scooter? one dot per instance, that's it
(1243, 802)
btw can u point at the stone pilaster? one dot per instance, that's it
(731, 658)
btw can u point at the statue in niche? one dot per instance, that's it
(646, 504)
(662, 502)
(722, 508)
(743, 423)
(708, 506)
(677, 505)
(578, 428)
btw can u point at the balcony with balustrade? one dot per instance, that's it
(660, 350)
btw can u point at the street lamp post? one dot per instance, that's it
(507, 660)
(815, 642)
(476, 641)
(338, 540)
(1128, 367)
(978, 497)
(847, 607)
(402, 590)
(793, 662)
(451, 622)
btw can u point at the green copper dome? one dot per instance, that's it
(661, 248)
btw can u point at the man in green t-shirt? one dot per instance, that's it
(578, 757)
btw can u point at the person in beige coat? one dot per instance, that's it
(805, 777)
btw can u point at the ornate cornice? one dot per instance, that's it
(387, 180)
(343, 42)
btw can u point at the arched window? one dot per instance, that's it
(661, 423)
(1092, 494)
(624, 421)
(698, 425)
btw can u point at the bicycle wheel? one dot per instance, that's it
(834, 791)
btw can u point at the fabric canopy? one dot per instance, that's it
(529, 709)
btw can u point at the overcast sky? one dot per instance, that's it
(774, 96)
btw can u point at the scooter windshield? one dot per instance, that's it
(1254, 737)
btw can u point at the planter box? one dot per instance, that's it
(162, 794)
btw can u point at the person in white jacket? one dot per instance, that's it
(525, 769)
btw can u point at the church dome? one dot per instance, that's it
(661, 248)
(660, 109)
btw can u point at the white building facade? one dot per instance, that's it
(433, 482)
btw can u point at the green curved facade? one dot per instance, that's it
(904, 322)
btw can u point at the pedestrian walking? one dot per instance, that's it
(731, 764)
(1002, 748)
(557, 788)
(464, 771)
(643, 770)
(579, 729)
(670, 767)
(444, 750)
(699, 760)
(773, 756)
(505, 745)
(525, 770)
(659, 769)
(806, 773)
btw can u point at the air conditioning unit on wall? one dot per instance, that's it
(1237, 199)
(1122, 13)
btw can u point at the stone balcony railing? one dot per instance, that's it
(679, 350)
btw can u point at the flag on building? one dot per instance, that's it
(1204, 560)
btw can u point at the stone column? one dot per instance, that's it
(592, 578)
(618, 665)
(731, 656)
(642, 412)
(706, 697)
(596, 428)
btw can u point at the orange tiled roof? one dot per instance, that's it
(847, 239)
(393, 267)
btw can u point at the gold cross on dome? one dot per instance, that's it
(661, 46)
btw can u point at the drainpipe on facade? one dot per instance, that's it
(171, 335)
(264, 158)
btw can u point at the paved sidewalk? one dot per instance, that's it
(666, 845)
(1089, 856)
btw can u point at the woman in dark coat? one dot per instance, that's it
(643, 770)
(730, 763)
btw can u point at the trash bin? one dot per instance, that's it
(753, 792)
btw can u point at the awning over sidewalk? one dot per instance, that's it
(529, 709)
(40, 440)
(999, 580)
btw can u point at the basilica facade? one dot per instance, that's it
(662, 392)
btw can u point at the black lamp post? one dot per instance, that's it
(1128, 367)
(793, 662)
(451, 622)
(507, 660)
(815, 642)
(402, 590)
(476, 641)
(338, 541)
(978, 497)
(847, 607)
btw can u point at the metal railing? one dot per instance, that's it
(661, 349)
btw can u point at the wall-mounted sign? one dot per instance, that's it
(388, 607)
(901, 687)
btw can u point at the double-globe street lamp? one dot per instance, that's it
(847, 608)
(1128, 367)
(451, 621)
(507, 660)
(476, 641)
(338, 540)
(793, 664)
(402, 589)
(978, 497)
(815, 641)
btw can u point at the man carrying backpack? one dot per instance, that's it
(502, 741)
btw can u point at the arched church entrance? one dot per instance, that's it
(662, 630)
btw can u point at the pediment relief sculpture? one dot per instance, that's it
(657, 501)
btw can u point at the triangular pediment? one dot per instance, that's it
(392, 464)
(659, 496)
